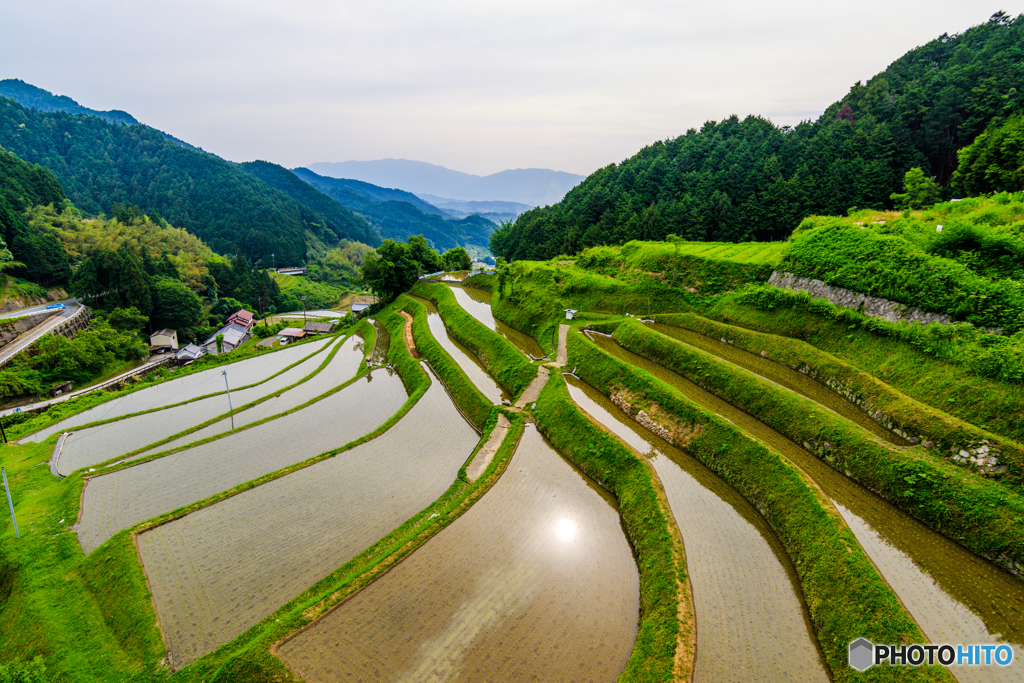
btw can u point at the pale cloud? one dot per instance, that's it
(475, 86)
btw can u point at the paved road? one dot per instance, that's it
(22, 342)
(38, 309)
(142, 368)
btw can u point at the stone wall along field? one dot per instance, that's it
(535, 582)
(220, 570)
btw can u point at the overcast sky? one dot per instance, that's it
(475, 86)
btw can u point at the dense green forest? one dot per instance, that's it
(278, 177)
(100, 163)
(739, 180)
(397, 219)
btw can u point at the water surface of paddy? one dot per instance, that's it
(746, 591)
(248, 371)
(535, 582)
(218, 571)
(93, 445)
(126, 497)
(953, 592)
(477, 302)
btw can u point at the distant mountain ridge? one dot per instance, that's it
(533, 186)
(368, 190)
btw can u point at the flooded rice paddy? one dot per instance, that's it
(535, 582)
(470, 366)
(783, 375)
(345, 364)
(242, 373)
(477, 303)
(121, 499)
(746, 591)
(220, 570)
(953, 595)
(93, 445)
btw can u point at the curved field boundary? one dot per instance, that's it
(977, 513)
(557, 606)
(888, 406)
(469, 399)
(37, 436)
(845, 595)
(664, 648)
(745, 589)
(132, 458)
(125, 437)
(506, 363)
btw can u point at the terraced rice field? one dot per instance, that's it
(746, 592)
(535, 582)
(187, 388)
(218, 571)
(954, 595)
(93, 445)
(742, 252)
(782, 375)
(477, 303)
(342, 368)
(465, 360)
(126, 497)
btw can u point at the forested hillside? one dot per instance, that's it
(749, 179)
(99, 163)
(368, 190)
(341, 219)
(398, 220)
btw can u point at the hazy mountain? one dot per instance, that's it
(533, 186)
(367, 190)
(28, 95)
(495, 211)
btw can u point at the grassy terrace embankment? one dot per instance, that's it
(663, 584)
(966, 508)
(469, 399)
(846, 597)
(888, 406)
(974, 376)
(505, 363)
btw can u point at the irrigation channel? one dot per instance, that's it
(187, 388)
(746, 591)
(218, 571)
(125, 497)
(100, 443)
(536, 581)
(953, 595)
(477, 303)
(472, 368)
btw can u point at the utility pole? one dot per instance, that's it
(10, 504)
(2, 433)
(303, 309)
(230, 409)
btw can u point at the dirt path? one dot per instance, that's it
(410, 344)
(486, 454)
(533, 391)
(563, 355)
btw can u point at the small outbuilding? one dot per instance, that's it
(359, 307)
(235, 335)
(163, 340)
(318, 328)
(292, 334)
(189, 353)
(570, 313)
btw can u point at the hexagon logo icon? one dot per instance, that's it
(862, 654)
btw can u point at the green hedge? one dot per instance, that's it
(606, 460)
(507, 364)
(473, 403)
(975, 512)
(890, 407)
(846, 597)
